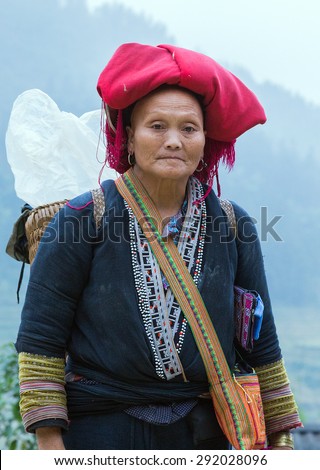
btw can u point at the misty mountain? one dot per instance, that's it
(62, 49)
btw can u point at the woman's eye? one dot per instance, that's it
(189, 129)
(156, 126)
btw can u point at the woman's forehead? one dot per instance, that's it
(168, 98)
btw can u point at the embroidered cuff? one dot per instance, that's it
(279, 406)
(42, 392)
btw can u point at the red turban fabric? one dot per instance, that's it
(137, 69)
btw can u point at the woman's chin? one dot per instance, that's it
(173, 170)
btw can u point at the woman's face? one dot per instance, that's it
(167, 135)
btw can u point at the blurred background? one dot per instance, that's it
(60, 47)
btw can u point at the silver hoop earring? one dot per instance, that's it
(202, 167)
(131, 159)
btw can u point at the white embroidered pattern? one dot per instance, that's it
(164, 323)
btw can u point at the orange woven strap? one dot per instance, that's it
(228, 405)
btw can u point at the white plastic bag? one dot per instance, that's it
(53, 154)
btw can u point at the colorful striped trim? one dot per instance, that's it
(38, 386)
(284, 423)
(35, 366)
(272, 375)
(42, 392)
(280, 409)
(44, 413)
(223, 389)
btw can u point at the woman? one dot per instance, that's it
(133, 377)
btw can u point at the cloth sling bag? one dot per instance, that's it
(236, 411)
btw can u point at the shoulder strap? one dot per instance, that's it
(99, 205)
(223, 389)
(229, 210)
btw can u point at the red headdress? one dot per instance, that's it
(230, 108)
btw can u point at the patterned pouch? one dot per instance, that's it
(249, 389)
(248, 312)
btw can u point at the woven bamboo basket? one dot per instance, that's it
(37, 222)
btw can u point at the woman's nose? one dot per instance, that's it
(173, 140)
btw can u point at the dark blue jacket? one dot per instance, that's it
(81, 299)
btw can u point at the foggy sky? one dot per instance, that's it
(278, 41)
